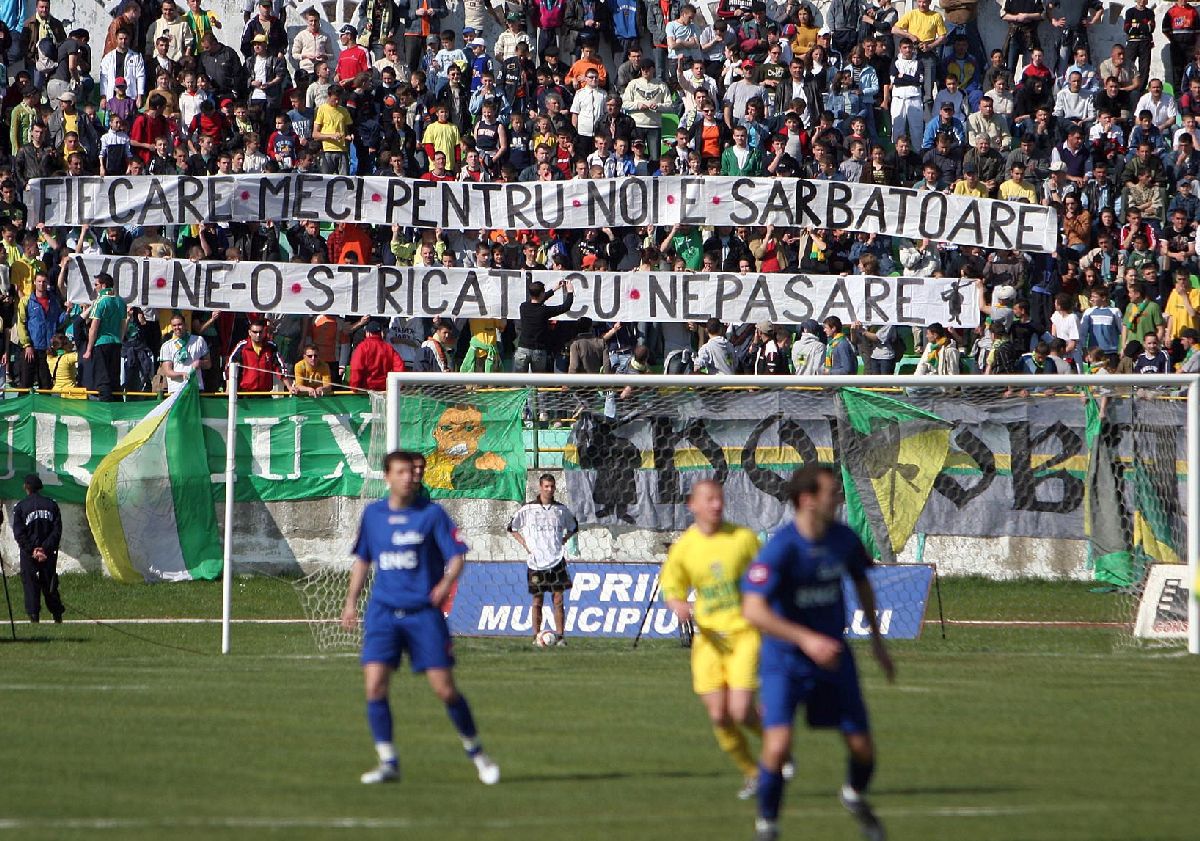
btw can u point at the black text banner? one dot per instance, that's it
(614, 202)
(469, 293)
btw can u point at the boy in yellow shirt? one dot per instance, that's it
(333, 126)
(710, 557)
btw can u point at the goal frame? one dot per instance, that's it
(396, 382)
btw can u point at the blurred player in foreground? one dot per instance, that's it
(793, 594)
(711, 557)
(418, 556)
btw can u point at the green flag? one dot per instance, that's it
(475, 447)
(1103, 514)
(891, 453)
(150, 503)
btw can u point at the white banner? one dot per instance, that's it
(307, 289)
(612, 202)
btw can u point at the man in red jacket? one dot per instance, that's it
(373, 360)
(260, 364)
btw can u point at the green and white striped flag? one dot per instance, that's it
(150, 503)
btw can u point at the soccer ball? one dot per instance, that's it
(547, 639)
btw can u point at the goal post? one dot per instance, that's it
(866, 427)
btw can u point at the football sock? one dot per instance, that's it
(379, 718)
(770, 793)
(733, 742)
(464, 723)
(858, 774)
(754, 726)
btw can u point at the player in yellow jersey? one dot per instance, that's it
(711, 557)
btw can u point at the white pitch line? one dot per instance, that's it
(63, 687)
(358, 822)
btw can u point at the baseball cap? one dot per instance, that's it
(120, 82)
(348, 29)
(810, 325)
(373, 327)
(764, 326)
(1057, 166)
(259, 38)
(477, 42)
(1005, 293)
(434, 40)
(749, 62)
(969, 168)
(226, 101)
(469, 30)
(515, 17)
(948, 106)
(646, 63)
(66, 96)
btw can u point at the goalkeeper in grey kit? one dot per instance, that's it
(543, 527)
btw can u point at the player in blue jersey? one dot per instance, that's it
(418, 555)
(793, 594)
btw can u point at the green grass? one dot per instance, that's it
(1018, 734)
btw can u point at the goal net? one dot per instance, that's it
(1012, 480)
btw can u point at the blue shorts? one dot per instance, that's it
(831, 699)
(388, 633)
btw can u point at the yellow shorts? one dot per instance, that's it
(721, 661)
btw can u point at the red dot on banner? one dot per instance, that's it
(670, 200)
(296, 287)
(576, 203)
(376, 197)
(634, 294)
(160, 282)
(245, 195)
(716, 199)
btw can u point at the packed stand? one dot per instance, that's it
(574, 89)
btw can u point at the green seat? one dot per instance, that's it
(670, 125)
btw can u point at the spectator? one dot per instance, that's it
(373, 360)
(108, 321)
(808, 351)
(840, 357)
(533, 329)
(437, 350)
(941, 355)
(1153, 359)
(258, 363)
(182, 355)
(716, 355)
(312, 377)
(40, 316)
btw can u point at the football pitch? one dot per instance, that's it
(143, 731)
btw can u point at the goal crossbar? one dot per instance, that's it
(1188, 384)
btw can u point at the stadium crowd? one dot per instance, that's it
(857, 90)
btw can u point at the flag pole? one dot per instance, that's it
(231, 389)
